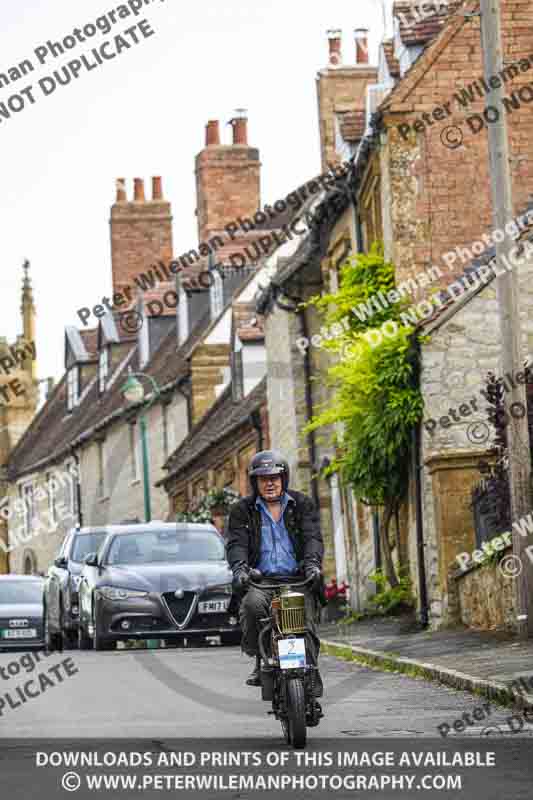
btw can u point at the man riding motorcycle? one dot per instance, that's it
(277, 531)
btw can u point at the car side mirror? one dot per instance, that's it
(61, 562)
(91, 560)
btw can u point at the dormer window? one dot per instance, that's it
(73, 387)
(103, 369)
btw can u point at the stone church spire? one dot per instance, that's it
(28, 313)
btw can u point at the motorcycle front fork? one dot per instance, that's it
(313, 710)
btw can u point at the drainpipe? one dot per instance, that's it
(417, 468)
(76, 458)
(309, 409)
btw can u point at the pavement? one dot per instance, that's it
(494, 665)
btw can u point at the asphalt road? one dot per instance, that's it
(200, 692)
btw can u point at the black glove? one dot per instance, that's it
(241, 580)
(314, 572)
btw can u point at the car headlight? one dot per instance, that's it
(110, 593)
(224, 588)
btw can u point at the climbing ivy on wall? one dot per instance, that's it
(376, 398)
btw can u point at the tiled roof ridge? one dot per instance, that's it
(87, 418)
(255, 398)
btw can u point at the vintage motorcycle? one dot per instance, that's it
(289, 675)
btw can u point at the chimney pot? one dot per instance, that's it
(157, 188)
(120, 184)
(335, 43)
(361, 45)
(239, 124)
(138, 190)
(212, 133)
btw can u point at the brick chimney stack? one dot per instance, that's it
(141, 232)
(341, 90)
(121, 190)
(212, 133)
(138, 190)
(361, 45)
(240, 126)
(157, 189)
(227, 178)
(335, 45)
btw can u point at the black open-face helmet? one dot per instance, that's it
(268, 462)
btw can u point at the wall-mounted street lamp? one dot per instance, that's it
(134, 393)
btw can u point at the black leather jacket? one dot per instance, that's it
(243, 532)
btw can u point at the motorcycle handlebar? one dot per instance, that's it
(277, 585)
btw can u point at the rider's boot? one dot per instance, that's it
(254, 678)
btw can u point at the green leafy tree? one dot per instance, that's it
(376, 401)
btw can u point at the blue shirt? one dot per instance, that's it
(277, 552)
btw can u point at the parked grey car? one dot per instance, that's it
(61, 602)
(157, 581)
(21, 612)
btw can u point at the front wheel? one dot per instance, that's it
(52, 641)
(297, 731)
(84, 642)
(100, 643)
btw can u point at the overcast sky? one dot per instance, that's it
(142, 114)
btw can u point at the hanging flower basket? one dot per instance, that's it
(216, 502)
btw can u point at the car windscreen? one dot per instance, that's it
(86, 543)
(156, 547)
(20, 592)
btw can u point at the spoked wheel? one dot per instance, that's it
(297, 731)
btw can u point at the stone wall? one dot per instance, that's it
(40, 544)
(464, 345)
(124, 497)
(287, 409)
(485, 598)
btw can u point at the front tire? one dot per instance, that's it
(231, 638)
(84, 642)
(102, 644)
(297, 731)
(52, 641)
(70, 640)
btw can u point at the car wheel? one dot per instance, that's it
(84, 642)
(99, 643)
(70, 640)
(51, 640)
(231, 638)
